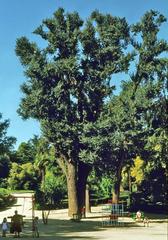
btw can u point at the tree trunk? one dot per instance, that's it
(116, 191)
(43, 172)
(129, 181)
(116, 188)
(76, 184)
(83, 172)
(87, 200)
(72, 190)
(45, 215)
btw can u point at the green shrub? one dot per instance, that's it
(23, 177)
(6, 199)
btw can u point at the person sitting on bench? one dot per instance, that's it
(139, 216)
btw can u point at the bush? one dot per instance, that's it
(139, 201)
(4, 183)
(6, 199)
(52, 192)
(23, 176)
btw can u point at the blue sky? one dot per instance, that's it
(20, 17)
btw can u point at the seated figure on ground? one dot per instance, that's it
(35, 227)
(146, 221)
(139, 216)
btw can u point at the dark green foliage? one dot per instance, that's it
(154, 186)
(69, 90)
(5, 198)
(152, 77)
(149, 49)
(135, 122)
(68, 80)
(26, 151)
(152, 195)
(6, 143)
(4, 166)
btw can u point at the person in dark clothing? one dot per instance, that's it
(16, 224)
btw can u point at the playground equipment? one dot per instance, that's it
(29, 197)
(112, 214)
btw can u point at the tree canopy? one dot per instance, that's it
(69, 89)
(6, 145)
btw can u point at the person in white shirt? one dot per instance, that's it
(139, 216)
(4, 227)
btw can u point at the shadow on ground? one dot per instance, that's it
(59, 229)
(63, 229)
(67, 229)
(154, 216)
(8, 207)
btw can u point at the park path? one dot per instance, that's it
(23, 205)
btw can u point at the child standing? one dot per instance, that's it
(35, 227)
(146, 222)
(4, 227)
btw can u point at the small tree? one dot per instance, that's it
(23, 176)
(6, 145)
(27, 150)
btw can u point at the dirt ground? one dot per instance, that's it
(60, 227)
